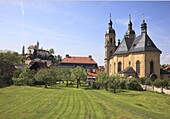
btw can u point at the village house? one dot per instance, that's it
(88, 63)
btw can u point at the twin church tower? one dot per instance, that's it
(135, 56)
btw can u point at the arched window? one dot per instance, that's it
(110, 53)
(114, 68)
(129, 63)
(119, 66)
(110, 41)
(151, 67)
(138, 67)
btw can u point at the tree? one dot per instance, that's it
(8, 60)
(51, 51)
(115, 81)
(45, 76)
(66, 72)
(133, 84)
(78, 74)
(161, 83)
(103, 80)
(26, 77)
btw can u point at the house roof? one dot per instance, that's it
(92, 74)
(101, 67)
(128, 70)
(168, 67)
(32, 47)
(140, 43)
(78, 60)
(164, 71)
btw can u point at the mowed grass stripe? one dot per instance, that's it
(72, 103)
(52, 101)
(57, 106)
(20, 98)
(102, 111)
(77, 106)
(65, 104)
(91, 111)
(110, 104)
(134, 111)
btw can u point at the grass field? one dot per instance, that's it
(70, 103)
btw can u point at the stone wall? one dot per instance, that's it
(153, 88)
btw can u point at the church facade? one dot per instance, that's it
(135, 56)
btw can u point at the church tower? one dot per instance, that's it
(110, 45)
(130, 33)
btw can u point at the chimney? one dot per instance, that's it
(67, 55)
(118, 42)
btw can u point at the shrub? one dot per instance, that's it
(133, 84)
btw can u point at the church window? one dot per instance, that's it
(151, 67)
(138, 67)
(129, 63)
(110, 53)
(110, 41)
(119, 66)
(114, 68)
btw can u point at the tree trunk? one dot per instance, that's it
(106, 87)
(77, 83)
(114, 89)
(45, 86)
(161, 89)
(67, 83)
(153, 87)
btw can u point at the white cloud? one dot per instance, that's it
(121, 21)
(165, 59)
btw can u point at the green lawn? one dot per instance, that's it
(70, 103)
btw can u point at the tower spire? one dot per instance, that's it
(129, 17)
(143, 18)
(130, 23)
(110, 16)
(110, 22)
(143, 25)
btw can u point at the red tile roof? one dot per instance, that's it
(168, 67)
(32, 47)
(78, 60)
(91, 74)
(101, 67)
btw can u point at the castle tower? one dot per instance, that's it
(23, 50)
(130, 33)
(37, 44)
(110, 45)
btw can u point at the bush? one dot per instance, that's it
(26, 77)
(133, 84)
(122, 84)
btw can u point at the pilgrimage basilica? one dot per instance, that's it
(135, 56)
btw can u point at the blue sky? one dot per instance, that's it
(78, 28)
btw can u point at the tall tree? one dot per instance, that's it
(66, 75)
(45, 76)
(8, 60)
(78, 74)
